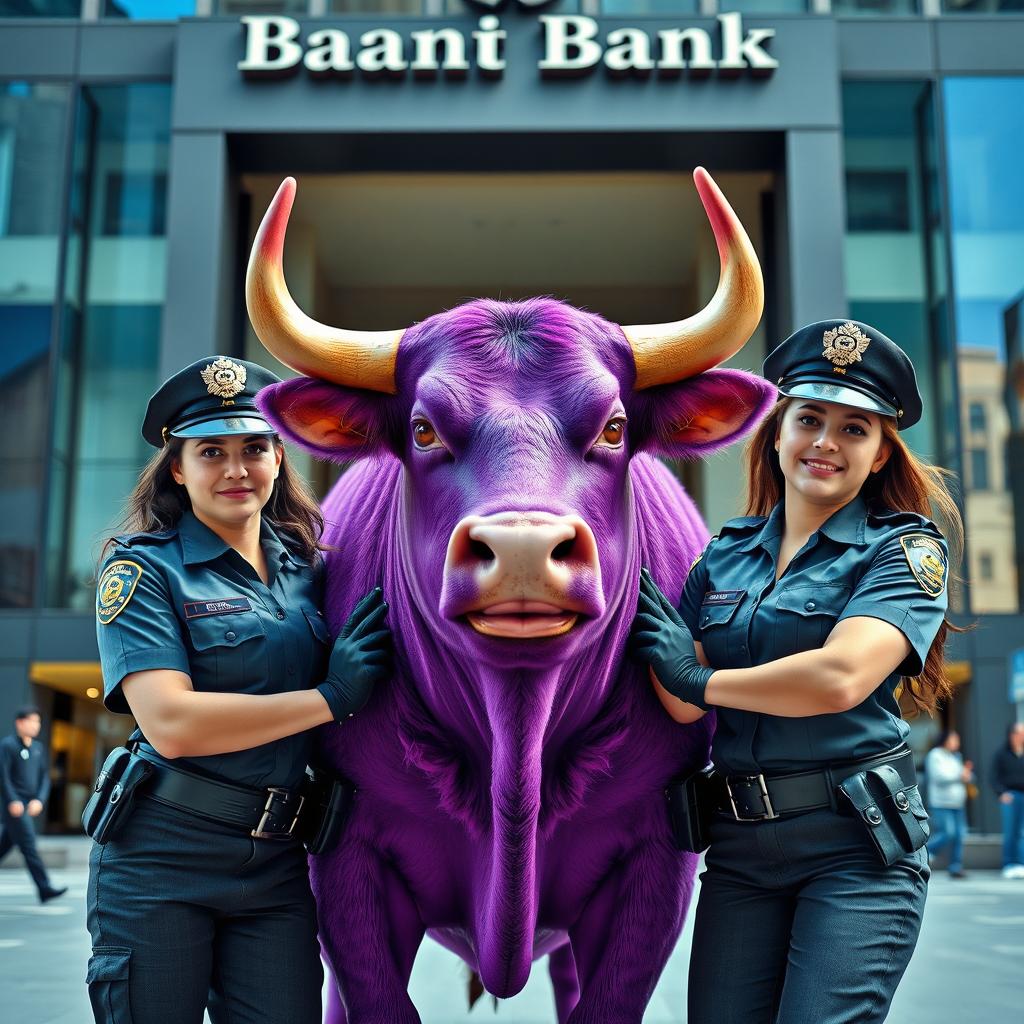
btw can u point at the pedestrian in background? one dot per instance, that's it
(948, 776)
(25, 779)
(1008, 780)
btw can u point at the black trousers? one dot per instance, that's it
(186, 914)
(799, 922)
(21, 832)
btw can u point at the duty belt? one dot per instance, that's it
(764, 797)
(271, 813)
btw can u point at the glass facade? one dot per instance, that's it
(894, 254)
(40, 8)
(982, 6)
(149, 10)
(110, 343)
(985, 147)
(33, 126)
(874, 8)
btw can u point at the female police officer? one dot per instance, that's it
(210, 634)
(806, 614)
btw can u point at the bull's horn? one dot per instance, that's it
(671, 352)
(360, 359)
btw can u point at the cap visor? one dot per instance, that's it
(839, 395)
(224, 426)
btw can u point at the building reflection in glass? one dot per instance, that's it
(33, 120)
(114, 292)
(985, 145)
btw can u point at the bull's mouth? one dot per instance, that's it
(522, 620)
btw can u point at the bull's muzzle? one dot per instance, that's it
(522, 575)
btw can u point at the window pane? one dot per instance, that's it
(872, 8)
(111, 344)
(985, 142)
(32, 127)
(617, 7)
(377, 6)
(765, 6)
(40, 8)
(261, 6)
(893, 246)
(982, 6)
(150, 10)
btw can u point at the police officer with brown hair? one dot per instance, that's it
(798, 625)
(210, 633)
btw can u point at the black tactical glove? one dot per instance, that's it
(361, 657)
(662, 639)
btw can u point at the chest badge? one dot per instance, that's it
(715, 597)
(845, 345)
(927, 562)
(224, 378)
(115, 589)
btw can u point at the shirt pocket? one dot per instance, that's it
(230, 653)
(806, 616)
(715, 627)
(318, 624)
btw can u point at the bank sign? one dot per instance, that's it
(568, 45)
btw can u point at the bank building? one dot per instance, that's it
(447, 149)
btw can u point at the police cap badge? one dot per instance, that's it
(850, 363)
(212, 397)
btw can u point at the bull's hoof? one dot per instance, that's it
(475, 989)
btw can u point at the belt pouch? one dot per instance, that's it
(327, 803)
(902, 805)
(690, 806)
(885, 806)
(119, 782)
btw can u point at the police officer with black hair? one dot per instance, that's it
(799, 624)
(25, 785)
(211, 634)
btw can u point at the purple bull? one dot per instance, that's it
(510, 776)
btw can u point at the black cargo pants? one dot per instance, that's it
(185, 914)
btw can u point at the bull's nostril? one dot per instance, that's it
(481, 551)
(563, 550)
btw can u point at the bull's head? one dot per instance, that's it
(516, 424)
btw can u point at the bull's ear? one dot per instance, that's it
(331, 421)
(694, 417)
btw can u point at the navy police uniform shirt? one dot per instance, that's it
(886, 565)
(183, 599)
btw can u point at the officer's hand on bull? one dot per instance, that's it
(662, 640)
(361, 657)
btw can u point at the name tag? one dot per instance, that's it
(198, 609)
(723, 597)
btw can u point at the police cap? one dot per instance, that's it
(213, 397)
(850, 363)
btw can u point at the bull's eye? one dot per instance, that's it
(423, 435)
(614, 431)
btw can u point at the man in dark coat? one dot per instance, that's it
(25, 784)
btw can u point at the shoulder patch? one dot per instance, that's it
(115, 589)
(927, 562)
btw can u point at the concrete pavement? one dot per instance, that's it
(969, 965)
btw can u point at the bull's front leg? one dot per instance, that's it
(627, 932)
(370, 930)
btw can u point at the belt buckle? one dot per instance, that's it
(260, 831)
(750, 780)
